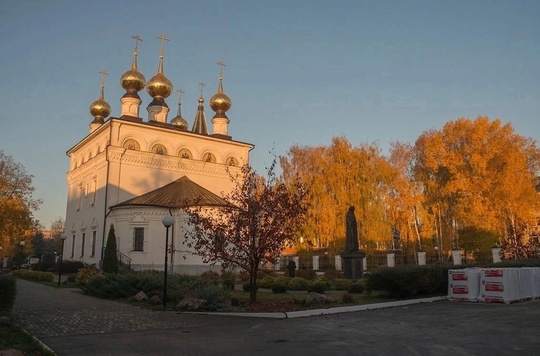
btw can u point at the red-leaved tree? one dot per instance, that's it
(264, 217)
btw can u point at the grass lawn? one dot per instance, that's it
(13, 337)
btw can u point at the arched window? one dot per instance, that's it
(131, 144)
(208, 157)
(231, 161)
(185, 153)
(159, 149)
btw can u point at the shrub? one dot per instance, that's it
(298, 283)
(279, 288)
(209, 292)
(342, 284)
(356, 288)
(86, 274)
(228, 284)
(110, 286)
(318, 287)
(8, 286)
(211, 275)
(71, 266)
(266, 282)
(246, 286)
(46, 266)
(34, 275)
(265, 273)
(308, 274)
(228, 275)
(282, 280)
(409, 281)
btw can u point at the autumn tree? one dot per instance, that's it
(405, 201)
(16, 203)
(341, 175)
(262, 218)
(478, 174)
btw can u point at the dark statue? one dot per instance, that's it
(352, 257)
(351, 237)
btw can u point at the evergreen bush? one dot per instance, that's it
(298, 283)
(279, 288)
(266, 282)
(110, 258)
(318, 286)
(342, 284)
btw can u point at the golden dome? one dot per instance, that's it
(100, 108)
(159, 85)
(180, 122)
(220, 102)
(132, 80)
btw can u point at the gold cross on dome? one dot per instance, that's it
(103, 74)
(163, 38)
(180, 92)
(137, 39)
(221, 65)
(202, 85)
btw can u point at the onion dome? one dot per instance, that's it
(100, 109)
(159, 87)
(178, 120)
(133, 81)
(220, 102)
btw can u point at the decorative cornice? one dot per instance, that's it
(177, 164)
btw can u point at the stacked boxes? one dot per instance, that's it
(500, 285)
(494, 285)
(464, 284)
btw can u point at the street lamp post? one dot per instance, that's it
(167, 221)
(63, 237)
(21, 254)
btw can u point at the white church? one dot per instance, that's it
(131, 172)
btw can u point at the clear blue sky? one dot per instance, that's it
(298, 72)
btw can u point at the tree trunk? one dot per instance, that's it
(253, 285)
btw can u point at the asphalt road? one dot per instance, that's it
(74, 324)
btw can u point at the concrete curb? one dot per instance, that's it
(338, 310)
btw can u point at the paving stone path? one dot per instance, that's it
(46, 311)
(71, 323)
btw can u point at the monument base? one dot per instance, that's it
(353, 267)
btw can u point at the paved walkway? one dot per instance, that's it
(71, 323)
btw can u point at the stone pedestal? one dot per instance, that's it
(391, 259)
(421, 258)
(352, 264)
(337, 262)
(456, 257)
(315, 263)
(496, 252)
